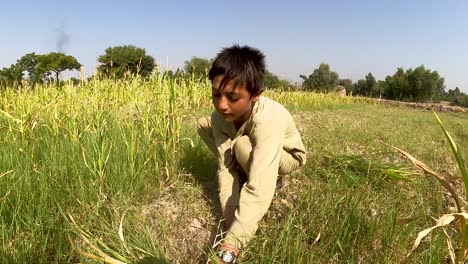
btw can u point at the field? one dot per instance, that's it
(115, 169)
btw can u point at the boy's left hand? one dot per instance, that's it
(228, 246)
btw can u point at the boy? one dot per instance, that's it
(252, 137)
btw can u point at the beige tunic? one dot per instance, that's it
(272, 133)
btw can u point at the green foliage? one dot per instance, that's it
(10, 77)
(28, 63)
(56, 62)
(456, 97)
(272, 81)
(454, 93)
(321, 80)
(368, 87)
(398, 87)
(424, 84)
(418, 85)
(464, 175)
(13, 76)
(461, 100)
(456, 153)
(123, 61)
(197, 67)
(37, 66)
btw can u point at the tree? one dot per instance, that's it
(381, 88)
(121, 60)
(367, 87)
(197, 67)
(56, 62)
(453, 93)
(272, 81)
(359, 87)
(10, 76)
(456, 97)
(419, 84)
(371, 86)
(425, 84)
(461, 100)
(398, 87)
(321, 80)
(28, 63)
(13, 75)
(36, 66)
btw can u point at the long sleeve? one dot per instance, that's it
(257, 193)
(228, 176)
(271, 132)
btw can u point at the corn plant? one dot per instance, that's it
(446, 219)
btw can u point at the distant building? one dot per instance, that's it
(341, 90)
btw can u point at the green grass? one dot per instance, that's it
(105, 148)
(347, 197)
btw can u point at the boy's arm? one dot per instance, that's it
(257, 193)
(228, 179)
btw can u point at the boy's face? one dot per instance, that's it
(234, 104)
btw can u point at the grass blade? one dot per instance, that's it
(456, 153)
(441, 222)
(429, 171)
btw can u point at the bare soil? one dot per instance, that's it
(439, 107)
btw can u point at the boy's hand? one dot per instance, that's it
(228, 246)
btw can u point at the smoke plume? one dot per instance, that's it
(62, 38)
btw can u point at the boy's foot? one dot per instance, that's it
(279, 184)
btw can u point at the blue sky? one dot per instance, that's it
(353, 37)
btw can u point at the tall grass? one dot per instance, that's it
(446, 219)
(91, 151)
(300, 100)
(109, 165)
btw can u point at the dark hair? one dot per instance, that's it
(243, 65)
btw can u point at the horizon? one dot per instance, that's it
(353, 38)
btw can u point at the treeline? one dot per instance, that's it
(37, 68)
(415, 85)
(116, 62)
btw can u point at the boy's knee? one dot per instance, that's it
(243, 145)
(242, 149)
(204, 123)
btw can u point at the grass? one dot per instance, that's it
(106, 149)
(345, 197)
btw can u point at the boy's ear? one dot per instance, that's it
(257, 96)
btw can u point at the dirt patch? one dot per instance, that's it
(439, 107)
(182, 222)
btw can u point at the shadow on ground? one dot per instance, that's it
(152, 260)
(199, 162)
